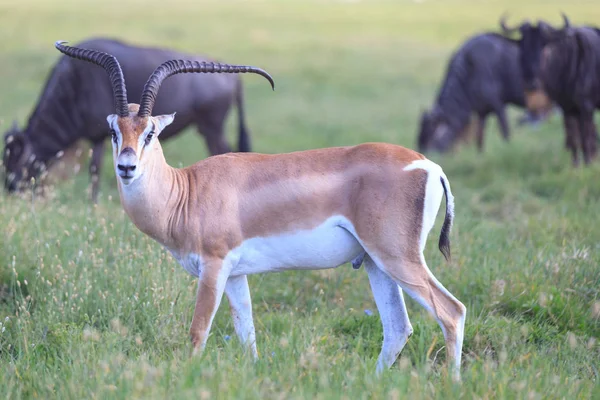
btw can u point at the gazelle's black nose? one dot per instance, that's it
(126, 168)
(126, 163)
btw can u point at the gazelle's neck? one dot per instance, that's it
(153, 200)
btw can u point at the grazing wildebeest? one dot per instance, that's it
(565, 63)
(75, 102)
(483, 75)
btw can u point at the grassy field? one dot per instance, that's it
(91, 308)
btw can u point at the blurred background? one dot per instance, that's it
(346, 71)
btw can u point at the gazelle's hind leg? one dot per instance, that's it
(403, 261)
(416, 279)
(392, 310)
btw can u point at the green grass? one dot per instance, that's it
(91, 308)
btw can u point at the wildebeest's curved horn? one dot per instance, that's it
(505, 29)
(551, 34)
(566, 23)
(112, 67)
(172, 67)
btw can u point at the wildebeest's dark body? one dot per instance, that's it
(566, 64)
(77, 99)
(482, 76)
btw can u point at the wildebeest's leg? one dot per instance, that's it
(503, 121)
(244, 135)
(571, 125)
(587, 135)
(482, 117)
(593, 141)
(95, 166)
(211, 123)
(392, 310)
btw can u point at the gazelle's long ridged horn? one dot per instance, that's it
(172, 67)
(110, 64)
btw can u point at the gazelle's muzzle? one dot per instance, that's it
(126, 164)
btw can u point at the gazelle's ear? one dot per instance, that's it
(111, 119)
(162, 121)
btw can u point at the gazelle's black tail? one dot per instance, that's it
(444, 243)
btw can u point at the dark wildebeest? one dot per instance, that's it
(77, 98)
(565, 63)
(482, 76)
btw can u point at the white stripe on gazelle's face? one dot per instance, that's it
(133, 140)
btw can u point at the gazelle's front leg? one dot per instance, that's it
(211, 285)
(238, 294)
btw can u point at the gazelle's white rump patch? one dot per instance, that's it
(434, 191)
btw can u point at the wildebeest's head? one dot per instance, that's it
(435, 133)
(533, 39)
(17, 158)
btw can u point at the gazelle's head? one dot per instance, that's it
(134, 131)
(134, 141)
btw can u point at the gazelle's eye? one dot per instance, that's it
(149, 138)
(113, 135)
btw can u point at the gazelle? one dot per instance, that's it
(236, 214)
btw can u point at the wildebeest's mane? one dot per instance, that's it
(452, 98)
(51, 124)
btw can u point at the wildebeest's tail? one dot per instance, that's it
(244, 137)
(444, 244)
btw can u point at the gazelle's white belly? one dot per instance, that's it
(329, 245)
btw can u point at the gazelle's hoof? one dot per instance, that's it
(196, 351)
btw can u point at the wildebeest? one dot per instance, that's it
(76, 99)
(565, 63)
(483, 75)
